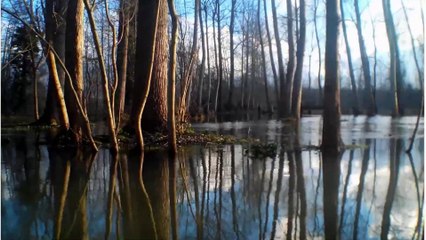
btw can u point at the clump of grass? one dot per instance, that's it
(263, 150)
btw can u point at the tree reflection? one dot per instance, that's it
(71, 180)
(395, 152)
(364, 167)
(331, 182)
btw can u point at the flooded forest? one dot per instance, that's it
(212, 119)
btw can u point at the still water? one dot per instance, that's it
(372, 190)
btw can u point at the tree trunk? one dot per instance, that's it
(355, 106)
(172, 81)
(148, 23)
(55, 15)
(155, 114)
(189, 71)
(331, 118)
(368, 95)
(108, 102)
(395, 68)
(230, 104)
(297, 90)
(219, 38)
(319, 53)
(122, 51)
(208, 64)
(264, 75)
(271, 55)
(203, 61)
(286, 97)
(280, 58)
(63, 115)
(74, 43)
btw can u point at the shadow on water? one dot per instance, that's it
(220, 192)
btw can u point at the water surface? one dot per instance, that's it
(369, 191)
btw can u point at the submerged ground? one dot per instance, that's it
(372, 189)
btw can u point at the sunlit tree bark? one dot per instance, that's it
(172, 80)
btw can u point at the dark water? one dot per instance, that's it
(220, 192)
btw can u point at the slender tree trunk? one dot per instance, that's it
(297, 90)
(355, 106)
(368, 95)
(331, 119)
(395, 68)
(63, 115)
(413, 47)
(286, 100)
(105, 80)
(208, 63)
(281, 111)
(172, 81)
(230, 103)
(203, 60)
(122, 51)
(319, 52)
(187, 80)
(219, 39)
(264, 75)
(271, 54)
(216, 96)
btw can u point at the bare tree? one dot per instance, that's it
(316, 2)
(331, 123)
(368, 94)
(108, 102)
(172, 80)
(287, 92)
(281, 111)
(148, 16)
(297, 90)
(395, 66)
(355, 106)
(271, 55)
(230, 104)
(262, 48)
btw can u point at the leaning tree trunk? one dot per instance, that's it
(368, 94)
(271, 55)
(331, 120)
(297, 90)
